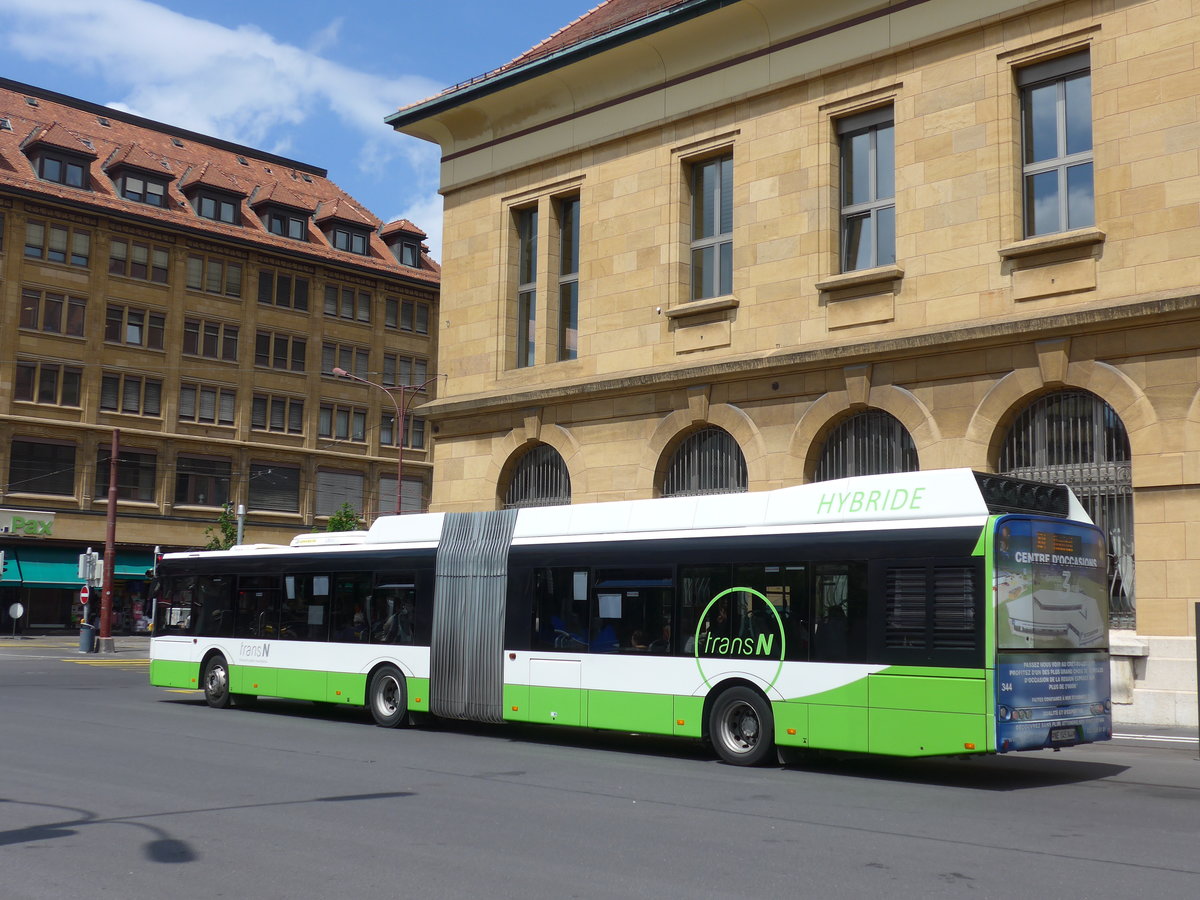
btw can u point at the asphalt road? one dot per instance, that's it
(112, 788)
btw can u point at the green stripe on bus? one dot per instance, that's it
(171, 673)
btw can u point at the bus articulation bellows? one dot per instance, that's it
(917, 614)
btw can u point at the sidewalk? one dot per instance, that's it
(127, 644)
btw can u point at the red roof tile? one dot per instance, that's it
(402, 226)
(193, 159)
(599, 20)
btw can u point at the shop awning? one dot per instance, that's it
(49, 567)
(12, 569)
(54, 567)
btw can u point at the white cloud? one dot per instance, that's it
(240, 84)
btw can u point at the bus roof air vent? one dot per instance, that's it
(1004, 494)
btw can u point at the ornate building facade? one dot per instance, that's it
(719, 245)
(194, 296)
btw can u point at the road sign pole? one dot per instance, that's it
(110, 539)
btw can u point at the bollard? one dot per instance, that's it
(87, 638)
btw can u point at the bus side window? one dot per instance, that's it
(305, 608)
(257, 607)
(839, 599)
(560, 607)
(349, 613)
(212, 606)
(391, 609)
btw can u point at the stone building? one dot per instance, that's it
(713, 245)
(193, 295)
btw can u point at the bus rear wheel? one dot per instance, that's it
(387, 697)
(216, 683)
(741, 727)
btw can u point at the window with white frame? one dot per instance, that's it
(712, 227)
(568, 278)
(867, 146)
(527, 239)
(1056, 139)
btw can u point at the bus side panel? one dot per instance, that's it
(255, 680)
(624, 711)
(791, 724)
(351, 687)
(929, 693)
(301, 684)
(913, 715)
(688, 716)
(838, 728)
(907, 732)
(174, 673)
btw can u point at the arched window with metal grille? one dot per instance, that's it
(540, 478)
(708, 461)
(872, 442)
(1075, 438)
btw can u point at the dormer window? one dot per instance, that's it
(286, 224)
(217, 207)
(142, 189)
(62, 168)
(349, 239)
(408, 253)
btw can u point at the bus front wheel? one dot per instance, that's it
(741, 727)
(388, 698)
(216, 683)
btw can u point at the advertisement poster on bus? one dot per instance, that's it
(1051, 701)
(1051, 587)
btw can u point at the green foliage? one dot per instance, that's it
(222, 535)
(345, 519)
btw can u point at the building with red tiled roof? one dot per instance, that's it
(195, 296)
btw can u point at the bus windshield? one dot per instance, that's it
(1051, 591)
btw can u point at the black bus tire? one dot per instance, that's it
(216, 682)
(387, 697)
(741, 727)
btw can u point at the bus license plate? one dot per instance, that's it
(1057, 735)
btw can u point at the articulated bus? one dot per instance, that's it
(919, 614)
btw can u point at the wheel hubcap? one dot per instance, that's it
(741, 728)
(387, 699)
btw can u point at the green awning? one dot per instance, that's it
(49, 567)
(53, 567)
(130, 565)
(12, 569)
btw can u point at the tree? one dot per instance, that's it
(345, 519)
(222, 535)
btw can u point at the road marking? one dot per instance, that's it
(1170, 739)
(183, 691)
(113, 663)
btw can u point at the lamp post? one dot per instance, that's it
(401, 419)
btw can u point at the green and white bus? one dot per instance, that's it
(917, 614)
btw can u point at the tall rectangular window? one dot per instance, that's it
(568, 278)
(1056, 137)
(712, 228)
(527, 235)
(868, 201)
(214, 275)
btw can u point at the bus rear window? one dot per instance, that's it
(1050, 585)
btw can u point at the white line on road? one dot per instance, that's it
(1170, 739)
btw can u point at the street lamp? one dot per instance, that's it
(401, 408)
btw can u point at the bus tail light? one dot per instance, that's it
(969, 745)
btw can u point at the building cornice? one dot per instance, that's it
(1120, 314)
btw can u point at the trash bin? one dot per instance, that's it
(87, 638)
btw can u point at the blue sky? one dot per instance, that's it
(311, 81)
